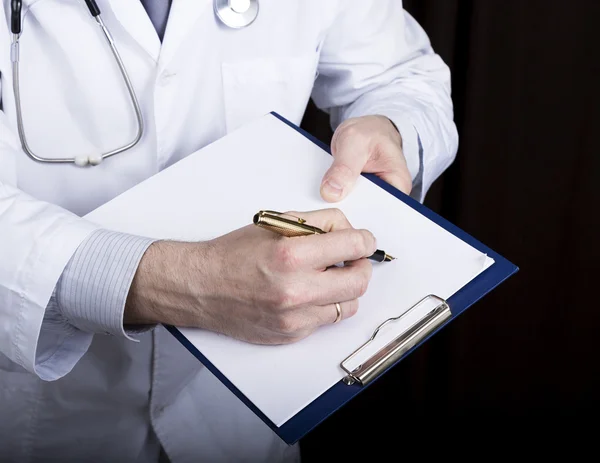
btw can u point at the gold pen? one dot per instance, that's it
(295, 226)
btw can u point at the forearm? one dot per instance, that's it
(168, 285)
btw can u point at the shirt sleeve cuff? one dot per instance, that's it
(410, 142)
(412, 148)
(92, 290)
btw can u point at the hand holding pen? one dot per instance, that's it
(256, 286)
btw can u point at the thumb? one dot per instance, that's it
(348, 163)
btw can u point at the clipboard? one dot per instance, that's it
(360, 377)
(357, 355)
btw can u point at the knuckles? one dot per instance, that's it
(336, 218)
(286, 255)
(371, 242)
(287, 296)
(352, 309)
(342, 170)
(357, 243)
(350, 130)
(362, 243)
(363, 285)
(337, 215)
(288, 325)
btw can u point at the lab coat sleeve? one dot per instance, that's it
(37, 239)
(89, 298)
(376, 59)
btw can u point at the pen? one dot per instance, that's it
(276, 222)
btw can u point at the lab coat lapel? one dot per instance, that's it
(134, 19)
(183, 16)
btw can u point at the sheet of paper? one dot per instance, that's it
(268, 165)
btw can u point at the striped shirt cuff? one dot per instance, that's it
(92, 290)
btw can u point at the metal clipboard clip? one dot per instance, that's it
(395, 349)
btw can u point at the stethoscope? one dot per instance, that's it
(232, 13)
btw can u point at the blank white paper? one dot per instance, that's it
(268, 165)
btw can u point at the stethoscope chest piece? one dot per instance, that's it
(236, 13)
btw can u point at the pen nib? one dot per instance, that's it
(389, 258)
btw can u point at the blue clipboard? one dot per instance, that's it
(341, 393)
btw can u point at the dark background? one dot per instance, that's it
(521, 367)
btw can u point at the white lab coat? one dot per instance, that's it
(122, 398)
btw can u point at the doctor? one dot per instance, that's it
(85, 372)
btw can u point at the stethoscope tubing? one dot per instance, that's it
(224, 11)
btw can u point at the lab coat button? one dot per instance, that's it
(166, 78)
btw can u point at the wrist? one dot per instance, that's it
(168, 284)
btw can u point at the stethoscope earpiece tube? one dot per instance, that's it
(93, 7)
(15, 16)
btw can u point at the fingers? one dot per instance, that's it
(370, 144)
(391, 167)
(312, 303)
(312, 286)
(300, 323)
(326, 314)
(326, 219)
(349, 157)
(317, 252)
(341, 242)
(340, 284)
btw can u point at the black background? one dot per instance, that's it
(521, 367)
